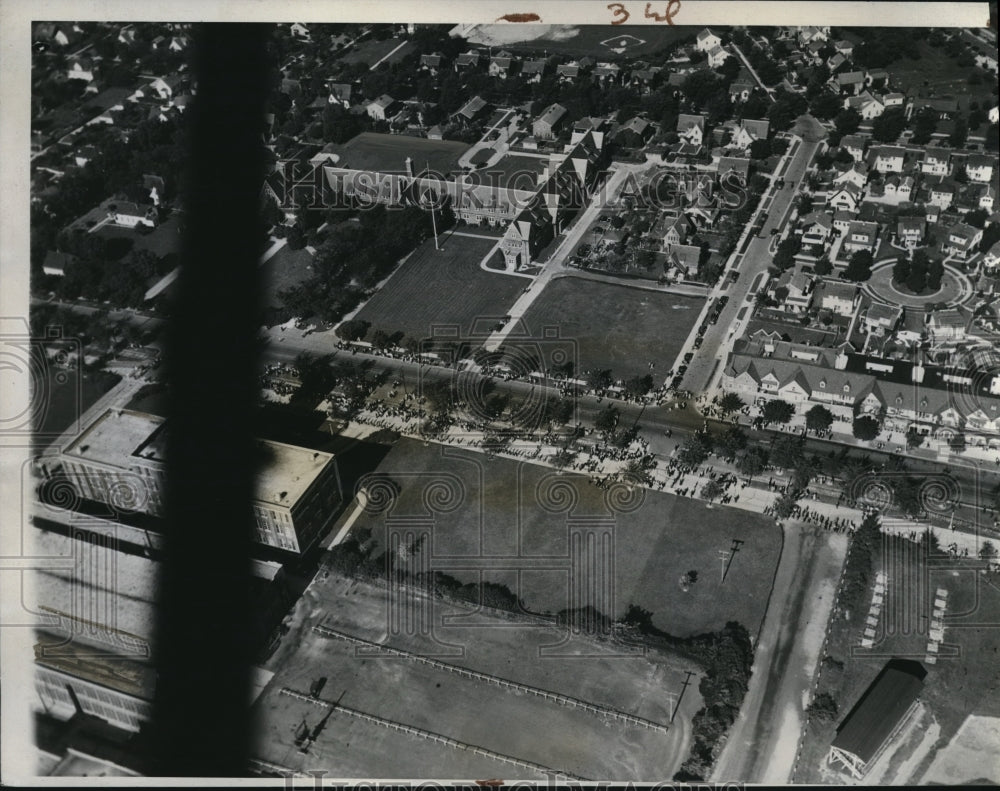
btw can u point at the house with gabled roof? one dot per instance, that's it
(382, 108)
(861, 236)
(547, 125)
(856, 174)
(910, 231)
(979, 167)
(691, 128)
(716, 57)
(706, 40)
(867, 106)
(961, 241)
(846, 196)
(817, 227)
(534, 69)
(854, 145)
(502, 65)
(748, 131)
(888, 159)
(467, 60)
(837, 296)
(851, 82)
(936, 162)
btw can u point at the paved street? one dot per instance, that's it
(719, 337)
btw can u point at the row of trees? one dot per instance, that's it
(921, 274)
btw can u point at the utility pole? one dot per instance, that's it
(731, 554)
(723, 557)
(433, 219)
(684, 686)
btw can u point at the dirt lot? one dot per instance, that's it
(504, 722)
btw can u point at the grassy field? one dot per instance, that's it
(432, 698)
(371, 52)
(963, 681)
(285, 269)
(442, 287)
(508, 522)
(70, 394)
(162, 241)
(615, 327)
(580, 40)
(937, 75)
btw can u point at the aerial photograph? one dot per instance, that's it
(626, 401)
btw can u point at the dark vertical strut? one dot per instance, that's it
(203, 653)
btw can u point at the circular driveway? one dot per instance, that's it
(955, 288)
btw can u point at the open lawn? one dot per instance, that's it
(560, 543)
(599, 41)
(962, 681)
(936, 75)
(443, 287)
(68, 395)
(434, 698)
(371, 52)
(161, 241)
(285, 269)
(614, 326)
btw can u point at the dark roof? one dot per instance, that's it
(881, 707)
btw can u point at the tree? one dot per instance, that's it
(731, 442)
(889, 126)
(959, 133)
(729, 403)
(695, 450)
(819, 419)
(753, 462)
(977, 218)
(353, 330)
(787, 453)
(988, 551)
(784, 257)
(859, 269)
(712, 489)
(639, 385)
(935, 271)
(777, 411)
(599, 379)
(924, 125)
(825, 105)
(901, 270)
(866, 428)
(916, 280)
(823, 266)
(847, 121)
(607, 419)
(914, 439)
(823, 707)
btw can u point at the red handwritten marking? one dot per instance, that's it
(619, 10)
(673, 6)
(520, 18)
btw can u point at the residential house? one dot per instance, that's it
(153, 185)
(979, 196)
(856, 174)
(910, 231)
(748, 132)
(898, 189)
(937, 162)
(817, 228)
(644, 79)
(846, 197)
(861, 236)
(683, 260)
(502, 65)
(691, 128)
(472, 110)
(793, 291)
(991, 258)
(129, 215)
(533, 70)
(383, 108)
(568, 72)
(606, 74)
(850, 82)
(842, 220)
(881, 319)
(845, 48)
(716, 57)
(979, 167)
(854, 145)
(941, 192)
(866, 105)
(546, 126)
(677, 231)
(467, 60)
(432, 63)
(341, 93)
(944, 107)
(835, 61)
(81, 68)
(946, 325)
(740, 89)
(635, 134)
(961, 241)
(893, 99)
(836, 296)
(888, 159)
(706, 41)
(57, 263)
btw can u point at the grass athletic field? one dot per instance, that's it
(442, 287)
(614, 326)
(559, 542)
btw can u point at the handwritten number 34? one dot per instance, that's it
(622, 15)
